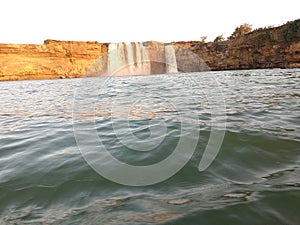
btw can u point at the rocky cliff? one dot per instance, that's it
(277, 47)
(53, 59)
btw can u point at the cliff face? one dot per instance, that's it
(277, 47)
(53, 59)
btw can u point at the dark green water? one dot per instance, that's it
(255, 178)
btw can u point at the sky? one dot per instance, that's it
(33, 21)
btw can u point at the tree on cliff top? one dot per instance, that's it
(203, 39)
(219, 38)
(241, 31)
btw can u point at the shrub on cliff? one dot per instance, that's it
(69, 54)
(219, 38)
(241, 31)
(47, 41)
(203, 39)
(292, 32)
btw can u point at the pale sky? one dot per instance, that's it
(33, 21)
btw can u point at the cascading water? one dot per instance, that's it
(170, 57)
(128, 59)
(142, 58)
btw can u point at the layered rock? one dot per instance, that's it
(277, 47)
(53, 59)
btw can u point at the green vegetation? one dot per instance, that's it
(219, 38)
(292, 32)
(241, 31)
(69, 54)
(47, 41)
(221, 48)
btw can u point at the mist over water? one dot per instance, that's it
(255, 178)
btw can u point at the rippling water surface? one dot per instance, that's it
(255, 178)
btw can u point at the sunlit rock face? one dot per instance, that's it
(51, 60)
(276, 47)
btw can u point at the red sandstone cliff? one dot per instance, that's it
(262, 48)
(53, 59)
(277, 47)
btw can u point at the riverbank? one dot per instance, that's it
(277, 47)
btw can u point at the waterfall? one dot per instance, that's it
(142, 58)
(170, 57)
(128, 59)
(116, 57)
